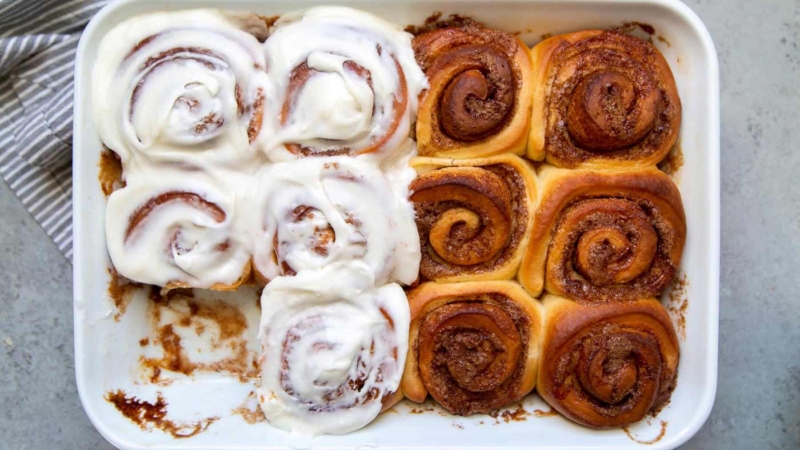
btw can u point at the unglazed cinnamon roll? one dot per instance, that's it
(334, 349)
(307, 214)
(604, 236)
(602, 99)
(473, 346)
(479, 101)
(607, 365)
(345, 83)
(473, 216)
(174, 231)
(186, 86)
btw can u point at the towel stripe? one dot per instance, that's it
(38, 42)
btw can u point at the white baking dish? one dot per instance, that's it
(106, 351)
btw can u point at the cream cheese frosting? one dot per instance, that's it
(186, 86)
(290, 156)
(334, 348)
(307, 214)
(169, 229)
(342, 82)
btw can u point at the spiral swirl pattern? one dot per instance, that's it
(479, 100)
(314, 212)
(176, 235)
(603, 236)
(610, 365)
(474, 345)
(601, 98)
(472, 215)
(334, 349)
(184, 86)
(345, 84)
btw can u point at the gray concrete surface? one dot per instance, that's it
(758, 400)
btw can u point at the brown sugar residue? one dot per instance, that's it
(546, 36)
(416, 411)
(664, 40)
(678, 304)
(519, 414)
(144, 342)
(110, 175)
(673, 162)
(223, 323)
(435, 22)
(120, 292)
(269, 21)
(651, 441)
(249, 410)
(542, 414)
(458, 425)
(627, 27)
(149, 416)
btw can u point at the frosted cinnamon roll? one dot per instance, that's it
(479, 101)
(184, 86)
(345, 83)
(175, 231)
(308, 214)
(602, 99)
(608, 365)
(473, 216)
(473, 346)
(604, 236)
(334, 349)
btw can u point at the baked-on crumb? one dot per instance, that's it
(250, 415)
(120, 292)
(435, 22)
(647, 442)
(198, 315)
(149, 416)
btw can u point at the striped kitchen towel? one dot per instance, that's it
(38, 40)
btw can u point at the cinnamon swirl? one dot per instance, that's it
(604, 236)
(473, 216)
(607, 365)
(602, 99)
(474, 346)
(479, 101)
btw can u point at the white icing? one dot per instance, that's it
(372, 220)
(150, 100)
(178, 241)
(333, 304)
(337, 108)
(327, 327)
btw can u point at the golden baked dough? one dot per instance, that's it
(479, 100)
(473, 216)
(603, 236)
(607, 365)
(602, 99)
(473, 346)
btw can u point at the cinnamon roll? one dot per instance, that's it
(473, 346)
(345, 83)
(176, 231)
(308, 214)
(604, 236)
(607, 365)
(334, 349)
(184, 86)
(479, 101)
(473, 216)
(602, 99)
